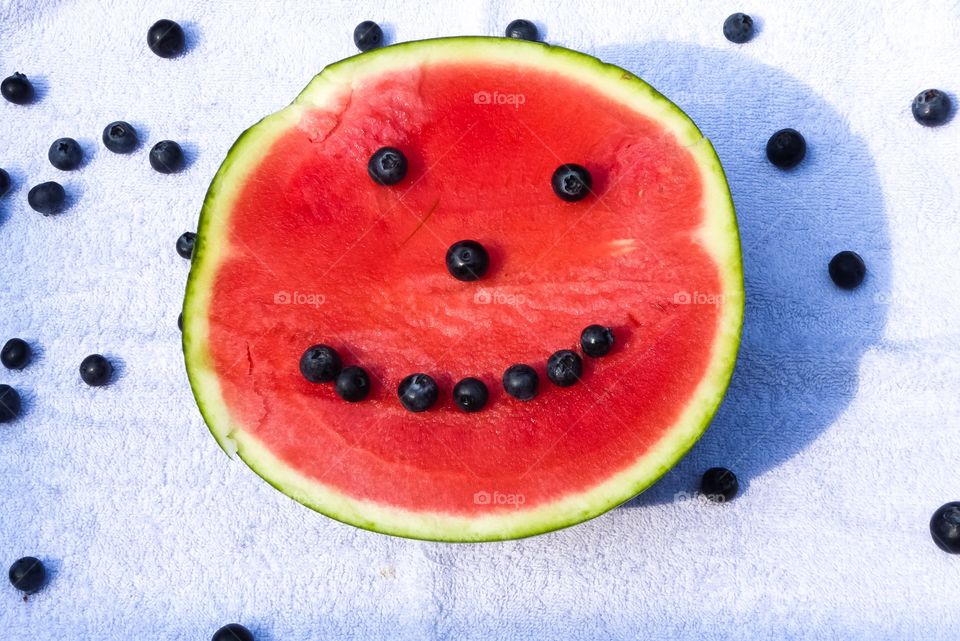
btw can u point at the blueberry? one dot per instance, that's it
(95, 370)
(387, 166)
(232, 632)
(786, 148)
(9, 404)
(719, 484)
(65, 154)
(352, 384)
(571, 182)
(165, 38)
(467, 260)
(564, 368)
(4, 182)
(167, 157)
(931, 107)
(470, 394)
(17, 89)
(367, 35)
(945, 527)
(521, 382)
(418, 392)
(320, 364)
(738, 28)
(523, 30)
(120, 137)
(185, 244)
(847, 269)
(596, 340)
(47, 198)
(15, 354)
(27, 574)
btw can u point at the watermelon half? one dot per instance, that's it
(297, 245)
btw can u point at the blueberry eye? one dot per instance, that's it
(571, 182)
(387, 166)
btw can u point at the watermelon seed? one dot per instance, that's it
(418, 392)
(470, 394)
(387, 166)
(352, 384)
(467, 260)
(571, 182)
(521, 382)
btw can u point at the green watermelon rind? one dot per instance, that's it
(719, 235)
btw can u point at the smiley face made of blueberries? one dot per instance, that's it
(467, 261)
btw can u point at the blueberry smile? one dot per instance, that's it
(467, 261)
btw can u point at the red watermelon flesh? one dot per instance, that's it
(309, 250)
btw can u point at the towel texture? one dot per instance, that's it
(841, 420)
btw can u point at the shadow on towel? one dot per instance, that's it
(803, 337)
